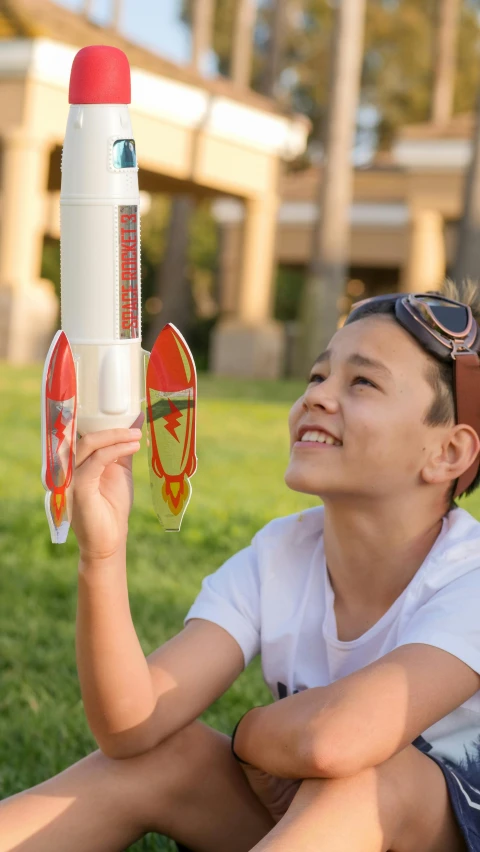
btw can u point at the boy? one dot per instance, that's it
(365, 611)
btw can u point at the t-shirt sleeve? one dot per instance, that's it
(450, 620)
(230, 597)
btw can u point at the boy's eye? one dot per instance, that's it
(317, 377)
(364, 379)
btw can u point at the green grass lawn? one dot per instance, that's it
(242, 448)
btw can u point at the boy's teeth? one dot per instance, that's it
(314, 436)
(320, 437)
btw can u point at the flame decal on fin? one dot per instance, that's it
(171, 399)
(59, 421)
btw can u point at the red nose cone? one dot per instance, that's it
(100, 75)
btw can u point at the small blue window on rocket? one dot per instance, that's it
(124, 156)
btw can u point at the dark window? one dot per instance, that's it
(124, 156)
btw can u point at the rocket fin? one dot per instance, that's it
(171, 404)
(59, 422)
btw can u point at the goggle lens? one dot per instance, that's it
(452, 317)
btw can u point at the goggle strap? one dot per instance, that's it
(466, 376)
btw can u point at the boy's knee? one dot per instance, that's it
(189, 750)
(156, 782)
(186, 756)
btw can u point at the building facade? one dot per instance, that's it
(404, 217)
(193, 135)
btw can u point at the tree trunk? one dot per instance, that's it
(172, 283)
(202, 28)
(445, 42)
(467, 261)
(117, 9)
(326, 275)
(244, 21)
(87, 8)
(275, 48)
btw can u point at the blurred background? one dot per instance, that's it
(295, 156)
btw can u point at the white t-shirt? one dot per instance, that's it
(275, 598)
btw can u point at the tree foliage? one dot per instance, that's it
(397, 83)
(398, 61)
(398, 64)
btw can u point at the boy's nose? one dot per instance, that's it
(320, 395)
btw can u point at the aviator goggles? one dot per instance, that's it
(448, 330)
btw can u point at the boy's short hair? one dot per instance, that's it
(439, 374)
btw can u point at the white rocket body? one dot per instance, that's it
(100, 264)
(96, 374)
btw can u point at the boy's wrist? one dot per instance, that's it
(90, 564)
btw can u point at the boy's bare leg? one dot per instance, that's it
(189, 787)
(401, 805)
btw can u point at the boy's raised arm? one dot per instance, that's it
(131, 703)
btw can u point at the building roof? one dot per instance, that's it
(44, 18)
(376, 185)
(460, 126)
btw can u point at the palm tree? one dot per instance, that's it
(275, 48)
(172, 281)
(87, 8)
(202, 26)
(324, 285)
(117, 8)
(244, 21)
(445, 42)
(172, 284)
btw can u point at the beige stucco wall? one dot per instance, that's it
(213, 145)
(369, 246)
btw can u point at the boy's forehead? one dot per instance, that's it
(379, 339)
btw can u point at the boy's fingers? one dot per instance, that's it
(138, 423)
(125, 461)
(94, 441)
(96, 463)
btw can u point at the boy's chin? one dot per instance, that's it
(302, 483)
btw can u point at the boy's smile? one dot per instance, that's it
(309, 432)
(316, 438)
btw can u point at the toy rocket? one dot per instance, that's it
(96, 373)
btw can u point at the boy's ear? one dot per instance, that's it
(453, 456)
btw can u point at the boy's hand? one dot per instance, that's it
(103, 489)
(275, 794)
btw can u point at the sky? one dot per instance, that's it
(152, 23)
(156, 24)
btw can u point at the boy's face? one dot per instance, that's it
(376, 414)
